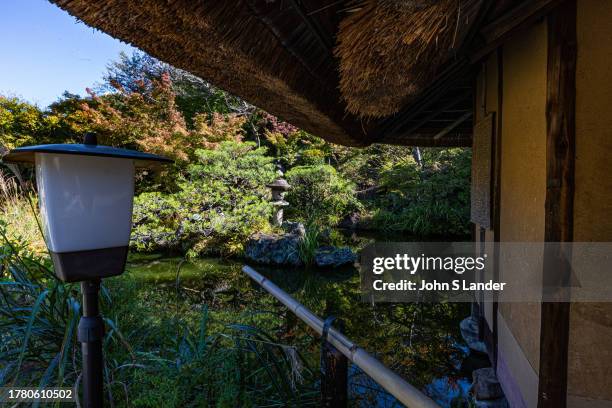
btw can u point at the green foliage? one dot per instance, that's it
(312, 157)
(319, 195)
(156, 221)
(19, 122)
(222, 200)
(364, 166)
(198, 204)
(293, 147)
(170, 358)
(22, 123)
(240, 366)
(38, 316)
(433, 200)
(71, 118)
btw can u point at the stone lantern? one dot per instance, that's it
(279, 187)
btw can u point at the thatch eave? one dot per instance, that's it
(277, 55)
(186, 35)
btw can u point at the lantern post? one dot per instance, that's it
(86, 199)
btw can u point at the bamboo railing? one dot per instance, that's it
(405, 393)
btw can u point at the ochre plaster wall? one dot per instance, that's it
(523, 182)
(523, 168)
(590, 351)
(521, 110)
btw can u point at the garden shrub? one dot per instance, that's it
(222, 200)
(319, 195)
(312, 157)
(293, 147)
(364, 166)
(433, 200)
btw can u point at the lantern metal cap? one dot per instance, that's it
(279, 184)
(27, 154)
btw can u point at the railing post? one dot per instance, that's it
(290, 324)
(334, 372)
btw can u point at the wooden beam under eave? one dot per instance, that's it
(457, 139)
(560, 158)
(505, 26)
(395, 126)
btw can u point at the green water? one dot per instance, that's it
(419, 341)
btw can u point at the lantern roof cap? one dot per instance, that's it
(27, 154)
(280, 203)
(280, 184)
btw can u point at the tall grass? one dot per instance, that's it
(38, 318)
(18, 210)
(309, 243)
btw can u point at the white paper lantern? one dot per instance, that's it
(86, 197)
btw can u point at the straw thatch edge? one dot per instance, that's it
(224, 43)
(390, 50)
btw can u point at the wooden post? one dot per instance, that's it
(334, 373)
(496, 210)
(290, 324)
(560, 155)
(334, 380)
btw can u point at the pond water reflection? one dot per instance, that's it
(421, 342)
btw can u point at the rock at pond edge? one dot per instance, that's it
(332, 256)
(274, 249)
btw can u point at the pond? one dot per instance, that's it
(421, 342)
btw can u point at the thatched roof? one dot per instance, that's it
(328, 67)
(390, 50)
